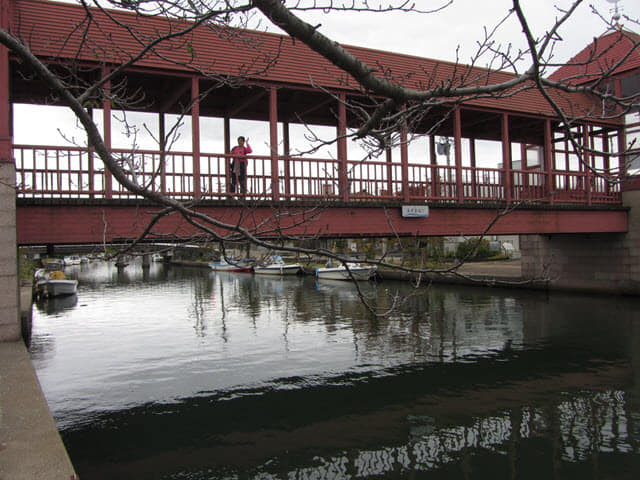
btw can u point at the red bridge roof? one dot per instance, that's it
(618, 51)
(63, 31)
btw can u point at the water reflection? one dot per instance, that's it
(186, 373)
(53, 305)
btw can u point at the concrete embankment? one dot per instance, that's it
(30, 445)
(506, 273)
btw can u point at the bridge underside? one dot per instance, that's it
(43, 222)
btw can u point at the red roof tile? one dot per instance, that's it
(60, 31)
(619, 49)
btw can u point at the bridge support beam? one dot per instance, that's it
(599, 262)
(9, 293)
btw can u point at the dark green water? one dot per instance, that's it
(179, 373)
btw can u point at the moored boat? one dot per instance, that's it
(275, 265)
(358, 272)
(72, 260)
(53, 284)
(53, 263)
(234, 266)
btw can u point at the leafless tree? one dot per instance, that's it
(387, 103)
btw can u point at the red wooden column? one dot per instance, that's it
(474, 174)
(523, 173)
(433, 161)
(163, 154)
(404, 162)
(106, 120)
(586, 158)
(389, 158)
(227, 150)
(91, 159)
(195, 134)
(273, 141)
(548, 161)
(227, 134)
(343, 179)
(622, 148)
(286, 139)
(506, 158)
(457, 141)
(606, 162)
(6, 154)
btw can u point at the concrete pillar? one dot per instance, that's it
(606, 263)
(9, 290)
(10, 329)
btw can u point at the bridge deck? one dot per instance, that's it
(58, 221)
(63, 197)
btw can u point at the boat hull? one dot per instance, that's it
(56, 288)
(72, 260)
(227, 267)
(341, 273)
(278, 269)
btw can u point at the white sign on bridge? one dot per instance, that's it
(415, 211)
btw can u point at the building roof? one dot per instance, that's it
(615, 52)
(61, 31)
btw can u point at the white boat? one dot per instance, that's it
(157, 257)
(276, 266)
(72, 260)
(224, 266)
(358, 272)
(53, 283)
(53, 263)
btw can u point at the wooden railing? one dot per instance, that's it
(64, 172)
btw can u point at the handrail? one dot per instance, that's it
(69, 172)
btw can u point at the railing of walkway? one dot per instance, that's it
(63, 172)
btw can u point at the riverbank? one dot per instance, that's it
(30, 445)
(506, 273)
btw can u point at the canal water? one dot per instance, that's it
(182, 373)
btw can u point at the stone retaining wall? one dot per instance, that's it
(606, 263)
(10, 328)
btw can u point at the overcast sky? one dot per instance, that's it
(438, 35)
(445, 35)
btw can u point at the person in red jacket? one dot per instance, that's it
(238, 165)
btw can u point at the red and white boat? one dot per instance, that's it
(224, 266)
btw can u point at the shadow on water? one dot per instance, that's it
(272, 378)
(395, 421)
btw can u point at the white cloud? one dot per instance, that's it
(438, 35)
